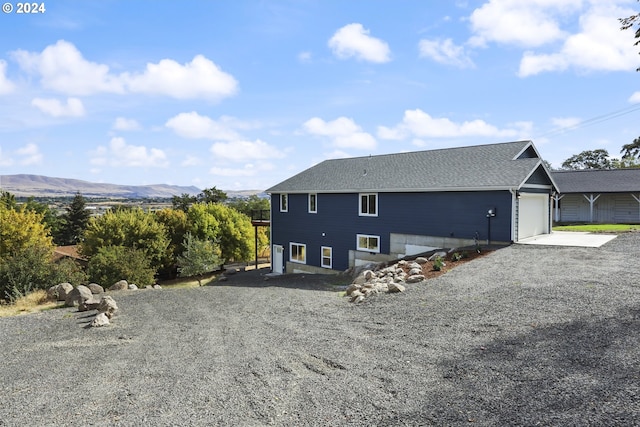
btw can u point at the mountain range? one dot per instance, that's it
(23, 185)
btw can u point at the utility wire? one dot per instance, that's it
(593, 120)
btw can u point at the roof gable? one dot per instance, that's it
(480, 167)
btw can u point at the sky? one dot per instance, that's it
(242, 94)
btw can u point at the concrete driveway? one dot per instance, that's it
(570, 238)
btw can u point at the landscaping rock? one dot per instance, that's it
(90, 304)
(119, 286)
(100, 320)
(157, 287)
(95, 288)
(437, 255)
(77, 296)
(230, 271)
(396, 287)
(415, 278)
(132, 287)
(421, 260)
(62, 290)
(108, 306)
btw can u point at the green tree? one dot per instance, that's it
(26, 250)
(51, 221)
(175, 223)
(113, 263)
(252, 203)
(590, 159)
(74, 221)
(632, 150)
(212, 195)
(198, 257)
(8, 200)
(183, 202)
(231, 229)
(134, 229)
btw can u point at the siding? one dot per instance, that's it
(454, 214)
(611, 208)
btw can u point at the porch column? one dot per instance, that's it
(557, 198)
(591, 201)
(637, 199)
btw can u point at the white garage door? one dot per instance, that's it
(533, 215)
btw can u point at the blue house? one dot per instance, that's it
(347, 212)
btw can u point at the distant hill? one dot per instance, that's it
(44, 186)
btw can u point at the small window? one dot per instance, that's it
(298, 253)
(326, 261)
(313, 203)
(369, 204)
(365, 242)
(284, 203)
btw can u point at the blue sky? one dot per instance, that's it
(243, 94)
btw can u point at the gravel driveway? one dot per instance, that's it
(526, 335)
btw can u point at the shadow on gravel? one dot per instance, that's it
(260, 279)
(585, 372)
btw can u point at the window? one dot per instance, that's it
(365, 242)
(369, 204)
(313, 203)
(284, 203)
(298, 253)
(326, 257)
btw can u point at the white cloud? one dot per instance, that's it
(55, 108)
(529, 23)
(635, 98)
(118, 153)
(29, 155)
(125, 124)
(343, 131)
(354, 41)
(565, 122)
(598, 46)
(5, 85)
(417, 123)
(304, 57)
(194, 126)
(5, 160)
(445, 52)
(62, 68)
(191, 161)
(239, 150)
(200, 78)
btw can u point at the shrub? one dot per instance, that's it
(67, 270)
(457, 256)
(199, 257)
(438, 263)
(113, 263)
(25, 271)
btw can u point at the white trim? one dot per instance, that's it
(315, 197)
(304, 252)
(367, 249)
(286, 202)
(367, 195)
(322, 257)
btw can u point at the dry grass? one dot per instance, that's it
(32, 303)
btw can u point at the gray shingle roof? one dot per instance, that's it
(598, 181)
(480, 167)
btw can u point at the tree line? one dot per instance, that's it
(124, 243)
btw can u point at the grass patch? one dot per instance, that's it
(32, 303)
(599, 228)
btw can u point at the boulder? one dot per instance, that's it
(90, 304)
(119, 286)
(52, 292)
(415, 271)
(230, 271)
(157, 287)
(351, 288)
(63, 291)
(108, 306)
(415, 278)
(101, 319)
(396, 287)
(421, 260)
(132, 287)
(77, 296)
(95, 288)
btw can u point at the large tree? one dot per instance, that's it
(74, 221)
(590, 159)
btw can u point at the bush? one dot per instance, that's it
(25, 271)
(113, 263)
(67, 270)
(199, 257)
(438, 263)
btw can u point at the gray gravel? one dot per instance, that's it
(526, 335)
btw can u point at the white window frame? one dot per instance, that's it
(361, 207)
(284, 202)
(323, 257)
(304, 252)
(367, 249)
(313, 196)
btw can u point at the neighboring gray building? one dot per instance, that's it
(597, 195)
(346, 212)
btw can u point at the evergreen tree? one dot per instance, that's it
(75, 221)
